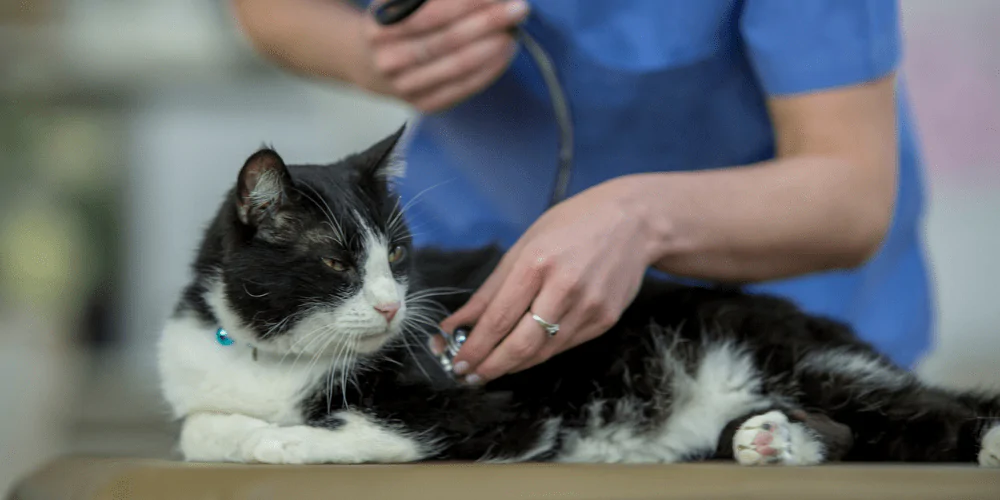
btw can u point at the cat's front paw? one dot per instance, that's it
(770, 439)
(989, 453)
(277, 445)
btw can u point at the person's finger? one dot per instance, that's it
(501, 315)
(573, 331)
(528, 339)
(497, 18)
(449, 95)
(522, 344)
(469, 313)
(481, 54)
(592, 314)
(431, 16)
(399, 54)
(436, 344)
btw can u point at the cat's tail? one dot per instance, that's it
(892, 414)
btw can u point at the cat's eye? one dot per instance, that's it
(397, 254)
(336, 265)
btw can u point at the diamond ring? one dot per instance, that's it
(550, 328)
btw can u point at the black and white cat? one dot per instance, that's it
(302, 339)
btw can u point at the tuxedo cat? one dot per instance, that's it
(302, 339)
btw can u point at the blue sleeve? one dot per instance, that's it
(798, 46)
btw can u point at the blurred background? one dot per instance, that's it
(122, 123)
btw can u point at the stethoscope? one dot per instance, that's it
(394, 11)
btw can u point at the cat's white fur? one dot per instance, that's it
(725, 386)
(989, 453)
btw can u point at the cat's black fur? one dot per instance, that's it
(911, 422)
(865, 408)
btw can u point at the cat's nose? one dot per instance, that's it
(388, 310)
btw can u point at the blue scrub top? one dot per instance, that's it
(671, 85)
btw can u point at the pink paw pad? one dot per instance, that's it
(763, 439)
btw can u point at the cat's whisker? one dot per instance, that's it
(432, 321)
(427, 316)
(421, 330)
(425, 348)
(322, 336)
(334, 222)
(265, 294)
(319, 353)
(345, 371)
(399, 215)
(277, 327)
(298, 342)
(328, 213)
(428, 294)
(308, 308)
(442, 288)
(429, 309)
(427, 322)
(291, 350)
(393, 215)
(341, 351)
(312, 356)
(424, 302)
(413, 355)
(427, 300)
(308, 339)
(314, 336)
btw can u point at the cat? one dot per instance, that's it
(302, 338)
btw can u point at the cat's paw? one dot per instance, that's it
(770, 439)
(277, 445)
(989, 453)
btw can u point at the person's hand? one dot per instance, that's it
(444, 52)
(580, 265)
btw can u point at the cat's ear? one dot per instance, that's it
(262, 187)
(383, 162)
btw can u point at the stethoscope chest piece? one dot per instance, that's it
(453, 342)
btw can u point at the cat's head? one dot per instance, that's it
(314, 258)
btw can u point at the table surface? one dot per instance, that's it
(116, 479)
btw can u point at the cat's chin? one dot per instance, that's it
(371, 343)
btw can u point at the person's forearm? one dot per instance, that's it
(319, 38)
(767, 221)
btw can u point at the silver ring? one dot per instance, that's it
(550, 328)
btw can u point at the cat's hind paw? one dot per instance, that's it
(770, 439)
(989, 453)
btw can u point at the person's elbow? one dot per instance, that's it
(870, 214)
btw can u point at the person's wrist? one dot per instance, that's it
(639, 205)
(364, 76)
(362, 73)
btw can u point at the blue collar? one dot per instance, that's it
(222, 337)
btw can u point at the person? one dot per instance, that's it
(761, 142)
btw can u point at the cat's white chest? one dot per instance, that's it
(198, 374)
